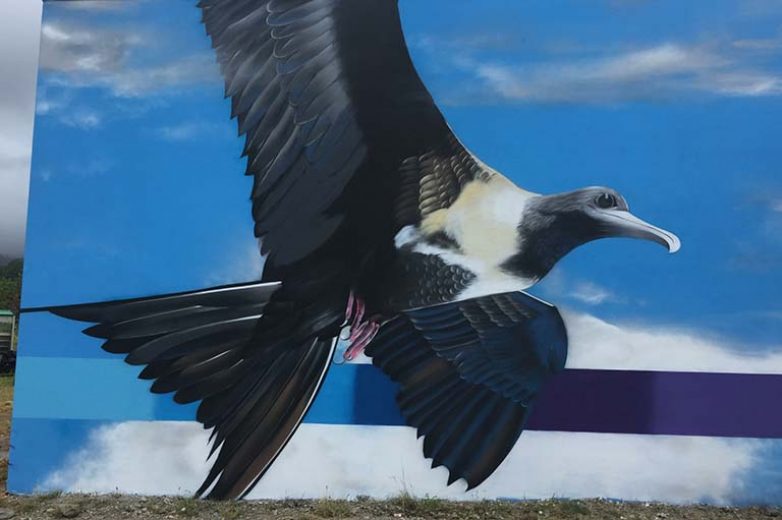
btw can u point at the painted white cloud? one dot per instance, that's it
(86, 56)
(633, 345)
(80, 49)
(101, 5)
(185, 71)
(591, 293)
(157, 458)
(183, 131)
(558, 286)
(46, 106)
(382, 461)
(656, 72)
(194, 130)
(542, 71)
(243, 264)
(90, 167)
(597, 344)
(83, 119)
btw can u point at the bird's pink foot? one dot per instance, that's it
(358, 330)
(360, 338)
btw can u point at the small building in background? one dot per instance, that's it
(7, 330)
(7, 342)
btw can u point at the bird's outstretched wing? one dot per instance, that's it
(469, 372)
(341, 136)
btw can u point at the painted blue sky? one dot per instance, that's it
(137, 185)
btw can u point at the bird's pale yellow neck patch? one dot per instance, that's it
(483, 220)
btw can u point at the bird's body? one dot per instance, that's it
(456, 239)
(376, 222)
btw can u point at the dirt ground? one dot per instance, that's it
(110, 507)
(6, 402)
(130, 507)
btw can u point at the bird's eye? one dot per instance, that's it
(605, 201)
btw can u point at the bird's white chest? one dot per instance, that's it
(484, 222)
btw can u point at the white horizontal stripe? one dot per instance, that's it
(597, 344)
(382, 461)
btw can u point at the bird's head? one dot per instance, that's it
(553, 225)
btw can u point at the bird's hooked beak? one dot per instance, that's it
(622, 223)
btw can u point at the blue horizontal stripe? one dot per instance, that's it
(108, 389)
(64, 374)
(608, 401)
(98, 389)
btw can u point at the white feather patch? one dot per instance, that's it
(485, 218)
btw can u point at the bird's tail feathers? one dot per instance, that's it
(258, 415)
(254, 387)
(136, 317)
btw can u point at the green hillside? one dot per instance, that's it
(10, 284)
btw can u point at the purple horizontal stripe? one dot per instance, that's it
(610, 401)
(670, 403)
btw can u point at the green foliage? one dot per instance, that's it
(9, 294)
(415, 506)
(11, 285)
(331, 508)
(573, 508)
(12, 269)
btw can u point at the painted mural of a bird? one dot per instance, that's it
(378, 226)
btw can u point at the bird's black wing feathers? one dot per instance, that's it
(468, 373)
(203, 347)
(507, 342)
(332, 111)
(345, 146)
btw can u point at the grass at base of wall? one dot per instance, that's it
(92, 507)
(6, 406)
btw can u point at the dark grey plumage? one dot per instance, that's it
(420, 280)
(470, 418)
(551, 226)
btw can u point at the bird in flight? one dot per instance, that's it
(381, 232)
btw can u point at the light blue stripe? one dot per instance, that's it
(42, 334)
(109, 390)
(97, 389)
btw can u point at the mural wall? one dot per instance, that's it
(445, 294)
